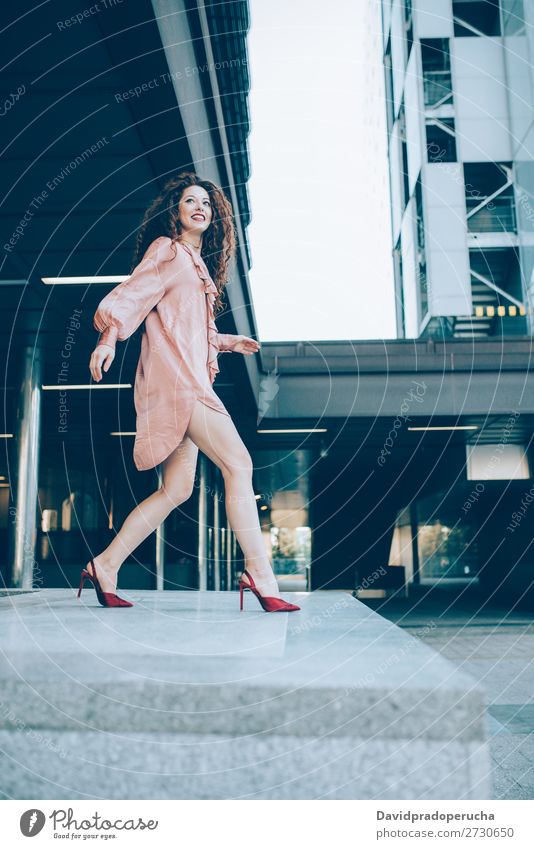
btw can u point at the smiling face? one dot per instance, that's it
(195, 210)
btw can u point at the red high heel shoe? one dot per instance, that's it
(105, 599)
(269, 603)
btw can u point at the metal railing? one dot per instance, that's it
(497, 217)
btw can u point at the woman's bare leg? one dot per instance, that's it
(217, 437)
(178, 473)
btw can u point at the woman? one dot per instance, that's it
(185, 244)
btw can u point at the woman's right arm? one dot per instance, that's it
(123, 309)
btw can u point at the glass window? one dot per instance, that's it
(489, 197)
(291, 557)
(480, 17)
(446, 552)
(440, 143)
(437, 79)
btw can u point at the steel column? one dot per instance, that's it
(28, 436)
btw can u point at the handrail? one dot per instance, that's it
(496, 288)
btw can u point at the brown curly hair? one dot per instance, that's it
(218, 241)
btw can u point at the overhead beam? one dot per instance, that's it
(386, 378)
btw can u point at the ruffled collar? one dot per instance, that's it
(211, 291)
(202, 268)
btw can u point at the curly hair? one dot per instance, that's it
(218, 241)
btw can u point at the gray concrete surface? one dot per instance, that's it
(502, 660)
(494, 644)
(184, 696)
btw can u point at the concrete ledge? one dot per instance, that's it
(166, 766)
(184, 696)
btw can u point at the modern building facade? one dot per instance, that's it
(459, 77)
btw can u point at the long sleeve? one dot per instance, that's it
(226, 341)
(123, 309)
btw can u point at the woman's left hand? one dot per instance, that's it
(246, 345)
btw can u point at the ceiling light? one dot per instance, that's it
(446, 427)
(84, 281)
(89, 386)
(293, 430)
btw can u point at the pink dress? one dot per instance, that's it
(179, 347)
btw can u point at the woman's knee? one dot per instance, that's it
(177, 493)
(239, 465)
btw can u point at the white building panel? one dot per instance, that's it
(446, 229)
(521, 138)
(525, 152)
(397, 54)
(483, 141)
(444, 198)
(413, 111)
(449, 282)
(519, 91)
(446, 239)
(395, 170)
(409, 273)
(443, 184)
(432, 18)
(480, 99)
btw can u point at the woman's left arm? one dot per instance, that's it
(226, 341)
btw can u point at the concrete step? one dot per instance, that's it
(184, 696)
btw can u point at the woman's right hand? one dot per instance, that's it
(102, 355)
